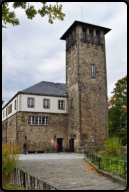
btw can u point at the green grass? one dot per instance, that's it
(117, 158)
(9, 186)
(112, 164)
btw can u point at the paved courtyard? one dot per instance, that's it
(66, 171)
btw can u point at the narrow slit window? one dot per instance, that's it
(93, 71)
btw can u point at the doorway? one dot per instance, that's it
(71, 145)
(59, 141)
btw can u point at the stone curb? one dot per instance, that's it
(109, 175)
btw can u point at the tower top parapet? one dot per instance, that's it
(75, 23)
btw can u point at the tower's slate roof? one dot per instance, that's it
(75, 23)
(45, 87)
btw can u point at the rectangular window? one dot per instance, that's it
(30, 102)
(60, 104)
(10, 109)
(38, 120)
(45, 120)
(15, 105)
(90, 35)
(92, 71)
(97, 36)
(83, 33)
(6, 111)
(31, 120)
(46, 103)
(3, 113)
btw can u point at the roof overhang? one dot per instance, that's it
(75, 23)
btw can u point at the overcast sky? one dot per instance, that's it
(33, 52)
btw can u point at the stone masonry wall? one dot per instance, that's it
(94, 109)
(4, 131)
(89, 116)
(72, 89)
(9, 130)
(39, 137)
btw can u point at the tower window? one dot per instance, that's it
(90, 35)
(93, 71)
(83, 33)
(97, 36)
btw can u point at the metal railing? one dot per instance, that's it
(23, 179)
(119, 168)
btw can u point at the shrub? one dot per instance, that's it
(112, 146)
(9, 160)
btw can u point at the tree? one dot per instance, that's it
(53, 12)
(117, 113)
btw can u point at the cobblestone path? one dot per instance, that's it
(67, 174)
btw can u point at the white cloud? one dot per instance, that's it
(33, 52)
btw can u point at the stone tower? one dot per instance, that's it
(86, 85)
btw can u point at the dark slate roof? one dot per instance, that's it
(48, 88)
(75, 23)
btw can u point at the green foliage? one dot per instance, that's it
(117, 114)
(8, 16)
(112, 146)
(9, 186)
(9, 160)
(31, 12)
(53, 12)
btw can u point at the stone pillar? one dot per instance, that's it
(87, 34)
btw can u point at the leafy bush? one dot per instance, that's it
(9, 160)
(112, 146)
